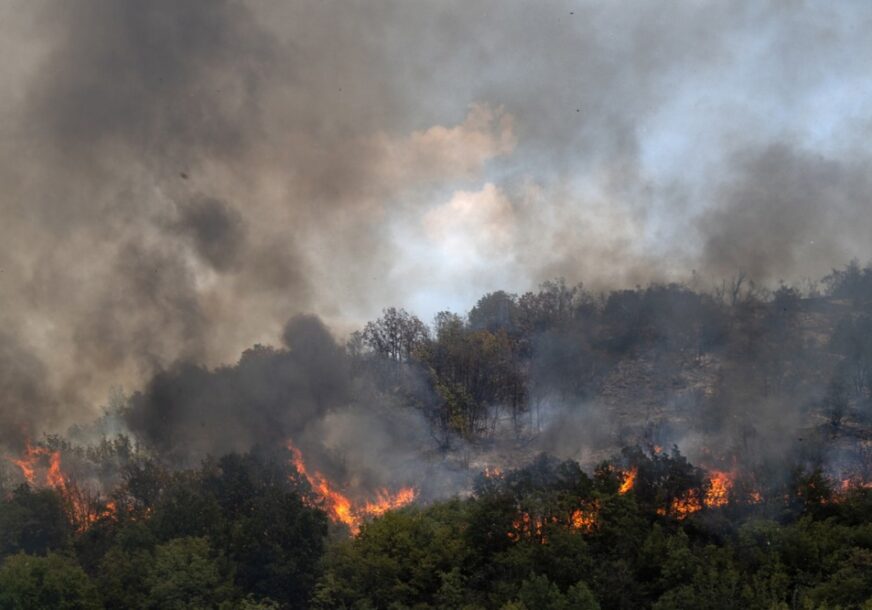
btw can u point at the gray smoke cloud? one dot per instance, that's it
(784, 212)
(180, 178)
(303, 394)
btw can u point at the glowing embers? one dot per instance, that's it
(341, 508)
(532, 527)
(526, 527)
(851, 483)
(492, 472)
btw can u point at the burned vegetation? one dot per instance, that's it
(661, 447)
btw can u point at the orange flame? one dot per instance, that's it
(30, 460)
(110, 510)
(529, 527)
(629, 480)
(683, 506)
(718, 494)
(386, 501)
(585, 519)
(854, 483)
(492, 473)
(342, 509)
(82, 508)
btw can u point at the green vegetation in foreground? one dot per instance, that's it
(240, 533)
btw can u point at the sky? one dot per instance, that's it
(181, 178)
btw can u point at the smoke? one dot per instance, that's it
(303, 393)
(216, 231)
(181, 178)
(784, 212)
(269, 396)
(27, 403)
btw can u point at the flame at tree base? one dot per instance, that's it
(339, 507)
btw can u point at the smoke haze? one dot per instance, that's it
(181, 178)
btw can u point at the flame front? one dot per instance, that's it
(629, 480)
(82, 508)
(340, 507)
(718, 494)
(683, 506)
(387, 501)
(30, 460)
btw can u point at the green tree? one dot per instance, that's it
(123, 573)
(404, 558)
(185, 575)
(53, 582)
(33, 521)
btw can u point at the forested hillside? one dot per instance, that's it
(661, 447)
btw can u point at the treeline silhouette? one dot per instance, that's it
(801, 351)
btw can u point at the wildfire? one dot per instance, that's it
(531, 527)
(387, 501)
(82, 508)
(492, 473)
(29, 462)
(525, 526)
(683, 506)
(629, 480)
(585, 519)
(718, 494)
(854, 483)
(340, 507)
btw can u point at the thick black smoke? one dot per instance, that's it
(302, 393)
(269, 397)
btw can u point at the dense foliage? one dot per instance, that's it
(238, 532)
(242, 532)
(465, 553)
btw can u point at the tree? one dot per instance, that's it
(495, 311)
(540, 593)
(33, 521)
(403, 559)
(836, 401)
(52, 582)
(275, 539)
(185, 575)
(396, 335)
